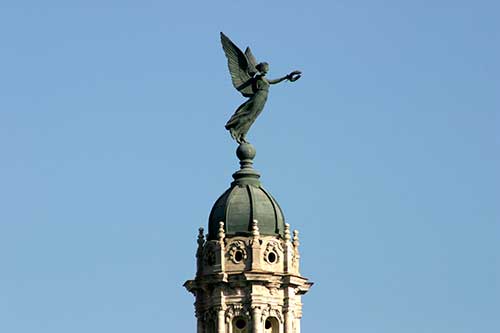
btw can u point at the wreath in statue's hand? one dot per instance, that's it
(294, 76)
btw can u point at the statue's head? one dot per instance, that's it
(263, 67)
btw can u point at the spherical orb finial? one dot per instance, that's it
(245, 151)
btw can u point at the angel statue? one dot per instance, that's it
(249, 78)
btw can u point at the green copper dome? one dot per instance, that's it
(246, 200)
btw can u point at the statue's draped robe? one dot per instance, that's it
(245, 115)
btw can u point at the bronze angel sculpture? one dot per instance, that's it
(249, 78)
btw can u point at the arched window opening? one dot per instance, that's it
(271, 325)
(240, 325)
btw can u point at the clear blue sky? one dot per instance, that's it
(385, 156)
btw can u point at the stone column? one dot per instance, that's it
(256, 319)
(289, 321)
(289, 309)
(221, 320)
(229, 322)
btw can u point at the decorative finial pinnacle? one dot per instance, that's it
(255, 229)
(201, 237)
(200, 241)
(287, 232)
(222, 233)
(296, 242)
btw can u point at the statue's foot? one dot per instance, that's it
(241, 140)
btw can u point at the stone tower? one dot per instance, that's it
(247, 278)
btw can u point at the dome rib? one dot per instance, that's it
(226, 210)
(276, 229)
(251, 195)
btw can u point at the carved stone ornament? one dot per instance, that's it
(237, 251)
(273, 247)
(237, 310)
(272, 311)
(273, 288)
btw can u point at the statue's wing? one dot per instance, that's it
(238, 67)
(252, 62)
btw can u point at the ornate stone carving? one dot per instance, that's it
(273, 247)
(273, 288)
(237, 251)
(237, 310)
(272, 311)
(256, 307)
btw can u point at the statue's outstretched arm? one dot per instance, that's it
(278, 80)
(293, 76)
